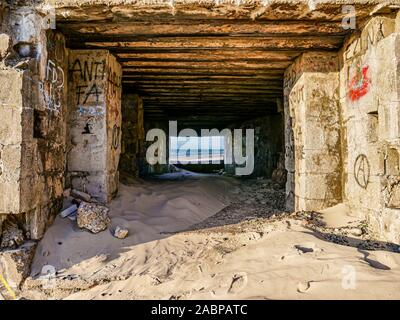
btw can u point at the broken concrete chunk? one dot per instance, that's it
(72, 216)
(121, 232)
(93, 217)
(81, 195)
(12, 236)
(15, 264)
(68, 211)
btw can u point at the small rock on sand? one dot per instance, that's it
(93, 217)
(356, 231)
(303, 286)
(121, 232)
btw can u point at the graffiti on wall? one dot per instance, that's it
(359, 85)
(296, 96)
(96, 111)
(374, 33)
(89, 74)
(92, 76)
(113, 82)
(88, 70)
(52, 87)
(87, 129)
(362, 171)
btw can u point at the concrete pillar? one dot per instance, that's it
(94, 100)
(312, 132)
(267, 144)
(132, 134)
(32, 133)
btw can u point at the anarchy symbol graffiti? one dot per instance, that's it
(362, 171)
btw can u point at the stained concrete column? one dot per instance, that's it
(132, 134)
(312, 132)
(95, 122)
(32, 134)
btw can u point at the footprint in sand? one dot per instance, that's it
(307, 247)
(239, 282)
(232, 285)
(303, 286)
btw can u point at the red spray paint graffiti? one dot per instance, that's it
(359, 84)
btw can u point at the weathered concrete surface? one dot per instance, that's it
(32, 137)
(313, 147)
(132, 149)
(342, 133)
(370, 99)
(255, 9)
(95, 123)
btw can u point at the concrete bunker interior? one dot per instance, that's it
(78, 100)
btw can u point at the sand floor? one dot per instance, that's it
(213, 237)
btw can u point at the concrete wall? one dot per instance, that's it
(50, 109)
(132, 152)
(370, 98)
(268, 142)
(94, 101)
(342, 132)
(32, 133)
(312, 132)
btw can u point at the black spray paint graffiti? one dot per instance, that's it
(89, 72)
(114, 81)
(88, 127)
(115, 136)
(93, 70)
(94, 91)
(362, 171)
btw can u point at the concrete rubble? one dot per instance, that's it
(15, 263)
(93, 217)
(120, 232)
(68, 211)
(12, 236)
(81, 195)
